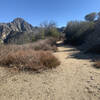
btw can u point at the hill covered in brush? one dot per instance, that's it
(19, 31)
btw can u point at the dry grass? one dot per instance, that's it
(26, 57)
(47, 44)
(29, 56)
(97, 64)
(29, 59)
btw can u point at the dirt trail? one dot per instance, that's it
(74, 79)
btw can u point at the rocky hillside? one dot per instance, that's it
(19, 31)
(18, 25)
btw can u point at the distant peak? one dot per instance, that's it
(18, 19)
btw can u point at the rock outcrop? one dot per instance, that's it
(17, 25)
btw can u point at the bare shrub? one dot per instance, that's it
(47, 44)
(97, 64)
(29, 59)
(32, 56)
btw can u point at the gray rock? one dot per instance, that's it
(18, 25)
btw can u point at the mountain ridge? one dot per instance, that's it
(17, 25)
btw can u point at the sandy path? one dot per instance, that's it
(74, 79)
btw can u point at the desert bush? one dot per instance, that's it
(97, 64)
(29, 59)
(94, 49)
(49, 29)
(44, 46)
(92, 41)
(47, 44)
(77, 31)
(32, 56)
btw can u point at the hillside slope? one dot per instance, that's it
(18, 25)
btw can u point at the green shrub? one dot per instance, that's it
(93, 49)
(77, 31)
(49, 29)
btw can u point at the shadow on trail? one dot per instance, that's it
(60, 44)
(68, 50)
(76, 53)
(82, 55)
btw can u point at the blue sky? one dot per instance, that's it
(38, 11)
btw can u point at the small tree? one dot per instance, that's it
(49, 29)
(90, 17)
(76, 32)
